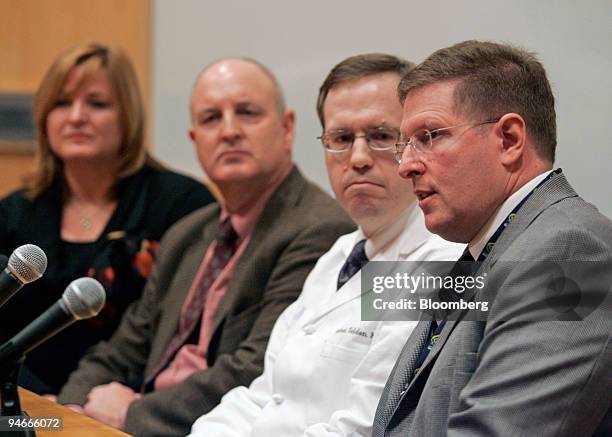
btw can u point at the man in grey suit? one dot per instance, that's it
(224, 273)
(479, 142)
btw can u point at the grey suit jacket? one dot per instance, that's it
(298, 225)
(512, 375)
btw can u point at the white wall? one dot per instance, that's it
(301, 41)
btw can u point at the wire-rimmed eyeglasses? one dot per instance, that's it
(423, 140)
(379, 139)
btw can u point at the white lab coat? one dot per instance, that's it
(325, 368)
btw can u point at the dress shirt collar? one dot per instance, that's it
(486, 232)
(405, 234)
(244, 221)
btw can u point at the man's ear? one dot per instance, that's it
(288, 121)
(191, 133)
(511, 131)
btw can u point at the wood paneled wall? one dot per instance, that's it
(34, 32)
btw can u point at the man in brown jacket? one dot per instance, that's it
(224, 273)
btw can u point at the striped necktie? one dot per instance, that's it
(225, 247)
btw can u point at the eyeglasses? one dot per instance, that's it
(423, 140)
(379, 139)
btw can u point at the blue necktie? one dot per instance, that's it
(353, 263)
(436, 328)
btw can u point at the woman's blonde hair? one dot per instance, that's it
(90, 57)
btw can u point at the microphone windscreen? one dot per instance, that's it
(28, 263)
(84, 298)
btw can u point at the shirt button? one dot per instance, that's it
(278, 399)
(309, 329)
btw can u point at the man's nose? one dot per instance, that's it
(411, 164)
(230, 127)
(360, 154)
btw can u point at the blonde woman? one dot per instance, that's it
(97, 203)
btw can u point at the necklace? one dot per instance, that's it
(85, 223)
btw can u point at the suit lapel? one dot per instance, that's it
(551, 192)
(169, 326)
(285, 197)
(192, 260)
(401, 381)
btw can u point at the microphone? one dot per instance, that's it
(82, 299)
(26, 264)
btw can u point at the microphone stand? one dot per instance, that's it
(10, 407)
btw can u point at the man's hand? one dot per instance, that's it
(74, 407)
(109, 403)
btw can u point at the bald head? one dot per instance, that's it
(249, 66)
(242, 139)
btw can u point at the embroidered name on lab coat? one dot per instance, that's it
(355, 331)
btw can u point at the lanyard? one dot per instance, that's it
(510, 218)
(436, 328)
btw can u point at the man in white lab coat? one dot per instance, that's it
(325, 368)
